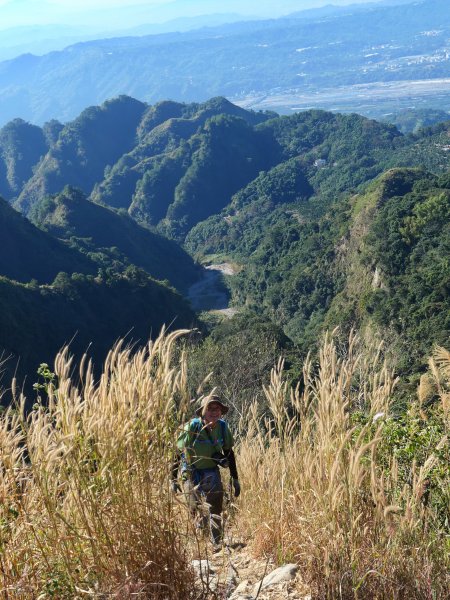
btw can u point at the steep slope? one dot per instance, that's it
(377, 258)
(29, 253)
(228, 154)
(162, 133)
(69, 215)
(407, 249)
(96, 139)
(241, 223)
(187, 169)
(21, 147)
(87, 312)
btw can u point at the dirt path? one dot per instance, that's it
(210, 292)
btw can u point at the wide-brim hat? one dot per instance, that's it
(209, 400)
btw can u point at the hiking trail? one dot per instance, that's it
(234, 574)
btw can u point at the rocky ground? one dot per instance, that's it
(234, 574)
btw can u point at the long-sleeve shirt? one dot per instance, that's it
(197, 444)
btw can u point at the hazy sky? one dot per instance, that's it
(120, 13)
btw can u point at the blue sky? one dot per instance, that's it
(120, 13)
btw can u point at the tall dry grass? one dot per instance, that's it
(317, 490)
(86, 510)
(85, 506)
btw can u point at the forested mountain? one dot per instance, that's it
(248, 61)
(378, 257)
(120, 153)
(97, 138)
(328, 219)
(28, 253)
(172, 165)
(107, 236)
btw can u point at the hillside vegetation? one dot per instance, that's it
(84, 147)
(330, 479)
(83, 311)
(22, 145)
(378, 257)
(327, 219)
(28, 253)
(100, 278)
(110, 237)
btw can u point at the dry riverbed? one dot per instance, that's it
(210, 292)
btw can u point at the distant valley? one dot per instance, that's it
(375, 100)
(398, 55)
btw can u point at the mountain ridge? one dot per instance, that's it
(277, 197)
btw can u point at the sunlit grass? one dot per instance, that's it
(317, 491)
(85, 502)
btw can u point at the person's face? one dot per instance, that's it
(213, 413)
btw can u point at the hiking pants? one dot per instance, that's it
(205, 485)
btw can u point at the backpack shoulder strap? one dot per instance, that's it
(197, 427)
(197, 422)
(223, 427)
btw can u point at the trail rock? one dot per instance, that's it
(203, 567)
(237, 545)
(206, 574)
(238, 592)
(284, 573)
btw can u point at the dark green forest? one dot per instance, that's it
(328, 220)
(88, 313)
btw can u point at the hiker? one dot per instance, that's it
(204, 446)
